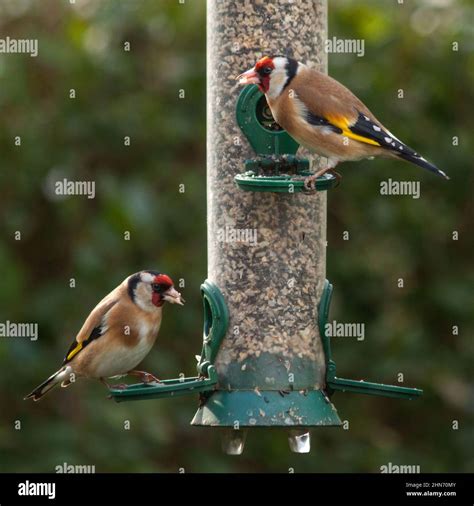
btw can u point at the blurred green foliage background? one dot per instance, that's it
(136, 94)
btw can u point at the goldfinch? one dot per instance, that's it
(118, 333)
(324, 116)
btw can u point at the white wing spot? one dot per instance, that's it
(376, 128)
(388, 139)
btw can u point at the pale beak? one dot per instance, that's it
(173, 296)
(249, 77)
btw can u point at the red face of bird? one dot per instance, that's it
(149, 289)
(270, 74)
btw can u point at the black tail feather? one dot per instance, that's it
(412, 157)
(45, 387)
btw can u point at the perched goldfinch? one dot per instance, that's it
(118, 334)
(324, 116)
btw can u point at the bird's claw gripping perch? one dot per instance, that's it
(310, 181)
(145, 377)
(310, 184)
(150, 378)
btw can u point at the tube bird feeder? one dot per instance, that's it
(266, 360)
(271, 364)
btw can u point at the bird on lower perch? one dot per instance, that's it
(118, 334)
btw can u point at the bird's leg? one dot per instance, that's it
(145, 377)
(310, 181)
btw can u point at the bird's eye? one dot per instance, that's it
(267, 70)
(156, 287)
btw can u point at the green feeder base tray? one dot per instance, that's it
(267, 408)
(283, 183)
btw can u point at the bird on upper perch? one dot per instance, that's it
(324, 116)
(118, 333)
